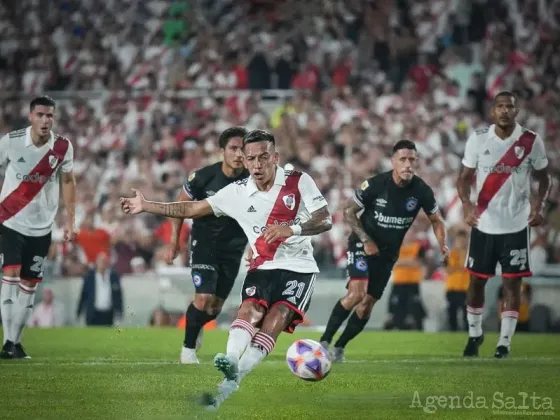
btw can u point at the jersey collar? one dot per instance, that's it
(29, 142)
(516, 133)
(279, 179)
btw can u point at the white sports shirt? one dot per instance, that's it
(291, 200)
(503, 170)
(30, 194)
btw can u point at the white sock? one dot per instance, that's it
(474, 318)
(240, 334)
(23, 310)
(8, 297)
(509, 322)
(261, 345)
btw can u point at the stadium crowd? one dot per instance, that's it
(350, 78)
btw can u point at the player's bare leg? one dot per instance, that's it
(357, 290)
(510, 312)
(475, 309)
(199, 312)
(8, 297)
(355, 326)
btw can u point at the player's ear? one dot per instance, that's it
(276, 157)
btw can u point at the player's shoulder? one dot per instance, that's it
(420, 184)
(204, 173)
(379, 180)
(17, 133)
(242, 182)
(482, 131)
(527, 131)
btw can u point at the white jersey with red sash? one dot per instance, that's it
(503, 176)
(291, 200)
(30, 193)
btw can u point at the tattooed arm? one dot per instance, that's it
(351, 211)
(181, 209)
(321, 221)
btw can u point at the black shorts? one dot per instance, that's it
(214, 273)
(376, 269)
(24, 252)
(269, 288)
(511, 250)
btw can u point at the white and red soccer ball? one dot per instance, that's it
(308, 360)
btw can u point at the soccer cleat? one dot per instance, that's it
(337, 355)
(7, 350)
(228, 367)
(228, 387)
(208, 401)
(325, 345)
(471, 349)
(502, 352)
(19, 352)
(188, 356)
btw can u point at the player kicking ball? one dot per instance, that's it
(503, 157)
(38, 165)
(389, 204)
(279, 211)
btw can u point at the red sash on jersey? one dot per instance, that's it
(284, 211)
(27, 190)
(513, 157)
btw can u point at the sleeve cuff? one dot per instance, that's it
(358, 201)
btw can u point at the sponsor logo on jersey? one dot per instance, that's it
(411, 203)
(506, 169)
(250, 291)
(292, 299)
(35, 178)
(261, 229)
(210, 193)
(290, 201)
(392, 221)
(197, 279)
(361, 264)
(381, 202)
(251, 210)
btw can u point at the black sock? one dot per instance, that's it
(195, 321)
(353, 328)
(338, 316)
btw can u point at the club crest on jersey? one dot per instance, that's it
(411, 203)
(519, 151)
(250, 291)
(289, 201)
(361, 264)
(197, 279)
(53, 161)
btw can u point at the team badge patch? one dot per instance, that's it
(361, 264)
(53, 161)
(250, 291)
(289, 201)
(519, 151)
(411, 203)
(364, 185)
(191, 176)
(197, 279)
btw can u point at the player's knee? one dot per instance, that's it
(277, 319)
(477, 283)
(354, 297)
(251, 312)
(216, 306)
(203, 302)
(365, 307)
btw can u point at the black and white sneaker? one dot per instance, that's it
(19, 352)
(471, 349)
(502, 352)
(7, 350)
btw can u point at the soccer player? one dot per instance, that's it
(503, 157)
(217, 243)
(39, 162)
(279, 211)
(388, 203)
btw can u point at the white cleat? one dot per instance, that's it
(227, 366)
(188, 357)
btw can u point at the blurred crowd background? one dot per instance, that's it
(145, 87)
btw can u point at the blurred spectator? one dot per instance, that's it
(48, 313)
(101, 298)
(457, 282)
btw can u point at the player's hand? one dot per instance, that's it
(249, 257)
(370, 248)
(69, 233)
(536, 218)
(471, 214)
(133, 205)
(276, 232)
(444, 250)
(171, 253)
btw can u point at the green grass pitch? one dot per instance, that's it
(87, 373)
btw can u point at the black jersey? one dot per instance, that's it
(222, 233)
(390, 210)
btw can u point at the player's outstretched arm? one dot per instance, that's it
(181, 209)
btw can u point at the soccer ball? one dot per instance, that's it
(308, 360)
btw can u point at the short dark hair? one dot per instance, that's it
(505, 93)
(229, 134)
(404, 144)
(42, 100)
(258, 135)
